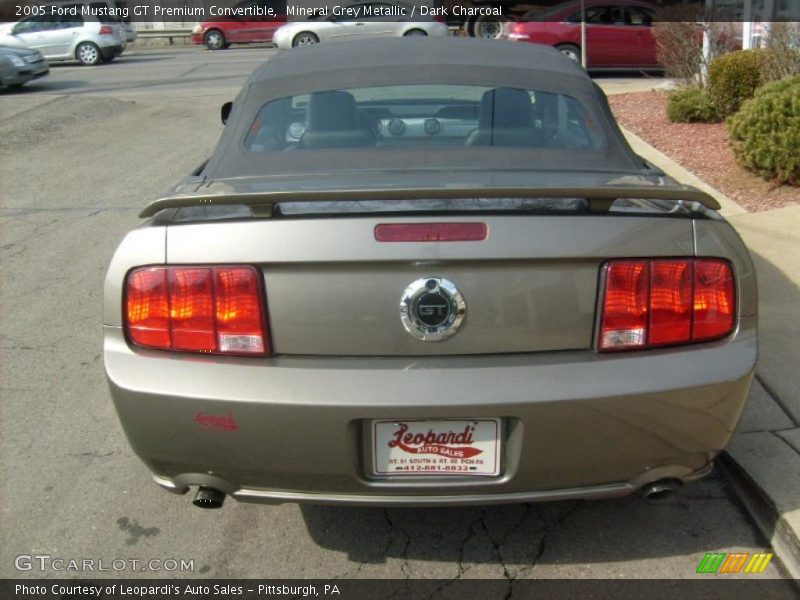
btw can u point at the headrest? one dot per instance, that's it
(505, 107)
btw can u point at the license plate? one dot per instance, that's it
(442, 447)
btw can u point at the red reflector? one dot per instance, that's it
(197, 309)
(649, 303)
(431, 232)
(624, 320)
(714, 300)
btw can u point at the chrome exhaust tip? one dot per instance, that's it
(208, 498)
(658, 490)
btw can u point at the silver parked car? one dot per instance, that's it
(21, 65)
(358, 21)
(67, 37)
(419, 272)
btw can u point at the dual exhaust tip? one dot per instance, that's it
(208, 497)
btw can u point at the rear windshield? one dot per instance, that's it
(422, 116)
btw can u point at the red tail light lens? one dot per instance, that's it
(191, 299)
(215, 310)
(670, 302)
(106, 30)
(431, 232)
(625, 309)
(238, 311)
(147, 298)
(714, 298)
(651, 303)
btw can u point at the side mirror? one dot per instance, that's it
(225, 112)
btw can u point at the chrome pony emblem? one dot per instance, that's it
(432, 309)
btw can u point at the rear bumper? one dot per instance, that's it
(112, 50)
(575, 424)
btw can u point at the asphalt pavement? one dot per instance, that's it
(81, 152)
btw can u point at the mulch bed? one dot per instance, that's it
(701, 148)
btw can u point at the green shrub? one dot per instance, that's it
(766, 132)
(691, 105)
(732, 79)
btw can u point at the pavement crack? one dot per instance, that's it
(498, 548)
(471, 533)
(405, 567)
(93, 454)
(776, 398)
(548, 530)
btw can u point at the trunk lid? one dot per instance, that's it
(333, 289)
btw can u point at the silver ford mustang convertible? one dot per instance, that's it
(427, 272)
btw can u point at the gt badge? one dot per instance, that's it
(432, 309)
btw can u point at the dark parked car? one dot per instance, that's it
(19, 65)
(619, 33)
(224, 31)
(428, 271)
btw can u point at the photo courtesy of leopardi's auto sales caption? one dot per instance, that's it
(197, 589)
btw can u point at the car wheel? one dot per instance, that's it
(215, 40)
(570, 51)
(305, 38)
(88, 54)
(488, 27)
(415, 32)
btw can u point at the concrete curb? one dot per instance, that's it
(781, 533)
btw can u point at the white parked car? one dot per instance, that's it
(358, 21)
(67, 37)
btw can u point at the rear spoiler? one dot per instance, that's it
(600, 198)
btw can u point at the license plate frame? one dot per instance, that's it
(447, 448)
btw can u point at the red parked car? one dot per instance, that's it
(619, 34)
(219, 34)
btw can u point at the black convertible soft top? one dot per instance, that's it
(326, 61)
(400, 61)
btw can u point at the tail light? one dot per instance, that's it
(515, 31)
(652, 303)
(106, 30)
(215, 310)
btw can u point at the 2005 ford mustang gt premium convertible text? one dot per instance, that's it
(428, 271)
